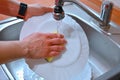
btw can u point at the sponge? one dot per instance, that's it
(50, 59)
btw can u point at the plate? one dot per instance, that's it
(72, 61)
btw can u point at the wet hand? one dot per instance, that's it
(43, 45)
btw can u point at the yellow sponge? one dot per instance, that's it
(50, 59)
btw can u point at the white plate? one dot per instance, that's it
(72, 61)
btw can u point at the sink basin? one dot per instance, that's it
(104, 51)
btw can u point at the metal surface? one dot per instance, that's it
(113, 74)
(3, 75)
(105, 14)
(58, 13)
(82, 6)
(106, 11)
(104, 50)
(6, 72)
(8, 20)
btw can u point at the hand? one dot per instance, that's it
(37, 10)
(43, 45)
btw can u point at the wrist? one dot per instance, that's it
(22, 11)
(29, 12)
(24, 49)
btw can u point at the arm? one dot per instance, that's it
(10, 50)
(11, 8)
(35, 46)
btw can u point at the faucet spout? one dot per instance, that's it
(58, 10)
(58, 13)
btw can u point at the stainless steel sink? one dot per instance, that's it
(104, 50)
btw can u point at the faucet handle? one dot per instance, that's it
(106, 10)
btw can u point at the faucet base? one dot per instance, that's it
(105, 27)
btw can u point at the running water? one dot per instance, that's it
(59, 25)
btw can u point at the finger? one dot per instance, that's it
(57, 41)
(54, 53)
(58, 48)
(55, 35)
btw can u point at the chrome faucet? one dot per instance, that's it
(103, 19)
(58, 10)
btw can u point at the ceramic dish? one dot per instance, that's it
(72, 61)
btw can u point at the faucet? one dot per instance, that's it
(106, 10)
(103, 19)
